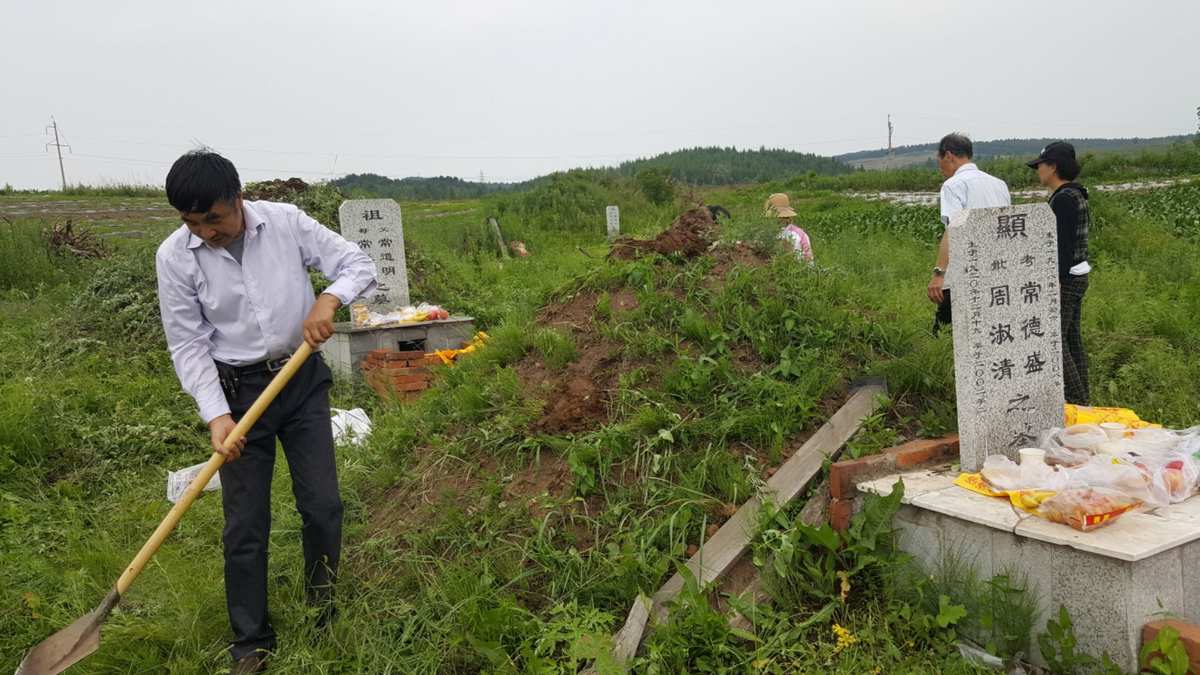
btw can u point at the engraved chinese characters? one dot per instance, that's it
(1007, 347)
(612, 215)
(374, 224)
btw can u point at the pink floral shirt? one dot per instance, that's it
(798, 238)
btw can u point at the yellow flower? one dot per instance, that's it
(844, 638)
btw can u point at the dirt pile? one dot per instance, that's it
(689, 236)
(577, 396)
(274, 190)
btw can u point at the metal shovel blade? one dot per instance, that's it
(69, 645)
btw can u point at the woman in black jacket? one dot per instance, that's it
(1057, 169)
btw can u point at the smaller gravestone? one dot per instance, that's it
(374, 224)
(1006, 317)
(613, 215)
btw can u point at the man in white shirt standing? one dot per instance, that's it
(966, 187)
(236, 300)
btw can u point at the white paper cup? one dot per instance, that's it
(1033, 456)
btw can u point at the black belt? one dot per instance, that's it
(268, 366)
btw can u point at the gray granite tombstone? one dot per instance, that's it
(1007, 346)
(613, 216)
(374, 224)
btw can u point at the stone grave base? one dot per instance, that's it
(349, 346)
(1142, 567)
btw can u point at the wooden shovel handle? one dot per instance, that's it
(197, 486)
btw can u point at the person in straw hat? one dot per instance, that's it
(779, 207)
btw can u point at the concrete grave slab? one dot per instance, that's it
(1132, 537)
(1095, 590)
(970, 507)
(1112, 580)
(1189, 562)
(915, 484)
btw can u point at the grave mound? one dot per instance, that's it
(277, 190)
(578, 397)
(691, 235)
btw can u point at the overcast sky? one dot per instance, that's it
(517, 89)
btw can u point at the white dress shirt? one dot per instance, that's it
(970, 188)
(216, 309)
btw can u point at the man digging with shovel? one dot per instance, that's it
(236, 300)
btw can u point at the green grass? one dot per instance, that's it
(29, 264)
(476, 545)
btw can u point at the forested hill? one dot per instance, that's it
(722, 166)
(697, 166)
(1021, 147)
(435, 188)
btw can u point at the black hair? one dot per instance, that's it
(717, 210)
(1067, 168)
(956, 144)
(200, 179)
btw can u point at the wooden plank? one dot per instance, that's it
(725, 547)
(723, 550)
(630, 635)
(627, 640)
(753, 594)
(812, 515)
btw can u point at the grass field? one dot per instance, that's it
(483, 537)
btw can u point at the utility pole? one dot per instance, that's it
(58, 146)
(890, 130)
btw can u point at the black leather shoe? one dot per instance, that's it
(250, 663)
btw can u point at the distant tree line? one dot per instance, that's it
(1009, 147)
(419, 189)
(696, 166)
(724, 166)
(718, 166)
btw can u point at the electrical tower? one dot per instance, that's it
(58, 146)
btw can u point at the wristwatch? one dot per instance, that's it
(939, 272)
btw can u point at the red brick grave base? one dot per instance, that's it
(1189, 635)
(845, 475)
(396, 374)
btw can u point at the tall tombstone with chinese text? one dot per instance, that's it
(612, 215)
(1007, 346)
(374, 224)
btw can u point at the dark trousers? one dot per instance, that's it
(1075, 364)
(299, 418)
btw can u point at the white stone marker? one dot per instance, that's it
(614, 221)
(1007, 347)
(374, 224)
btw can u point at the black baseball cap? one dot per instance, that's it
(1056, 153)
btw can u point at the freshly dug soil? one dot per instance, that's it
(577, 396)
(275, 190)
(689, 236)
